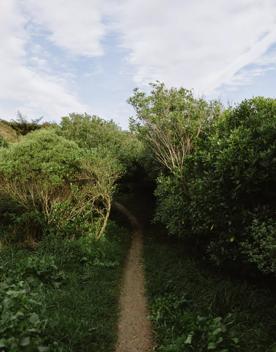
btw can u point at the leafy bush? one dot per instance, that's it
(42, 267)
(193, 307)
(58, 184)
(92, 132)
(22, 324)
(207, 334)
(260, 245)
(229, 176)
(172, 205)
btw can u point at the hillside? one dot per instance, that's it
(7, 132)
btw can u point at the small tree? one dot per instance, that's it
(170, 121)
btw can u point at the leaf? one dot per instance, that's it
(34, 318)
(188, 340)
(212, 346)
(2, 343)
(25, 341)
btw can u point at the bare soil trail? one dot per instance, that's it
(134, 329)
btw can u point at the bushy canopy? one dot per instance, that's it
(93, 132)
(50, 175)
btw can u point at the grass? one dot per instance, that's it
(196, 309)
(68, 292)
(7, 132)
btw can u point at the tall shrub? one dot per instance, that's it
(58, 184)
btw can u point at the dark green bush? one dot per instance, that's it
(231, 179)
(260, 245)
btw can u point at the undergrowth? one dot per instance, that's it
(195, 309)
(63, 296)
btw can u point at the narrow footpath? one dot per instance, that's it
(134, 329)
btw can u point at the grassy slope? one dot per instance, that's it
(8, 133)
(77, 283)
(181, 288)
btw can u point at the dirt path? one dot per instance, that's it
(134, 330)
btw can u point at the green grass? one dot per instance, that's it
(195, 309)
(66, 294)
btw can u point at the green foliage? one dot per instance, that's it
(58, 184)
(22, 125)
(93, 132)
(260, 245)
(22, 323)
(195, 309)
(63, 296)
(3, 143)
(44, 268)
(207, 334)
(169, 121)
(230, 177)
(172, 205)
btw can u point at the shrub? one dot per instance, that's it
(21, 318)
(260, 245)
(230, 173)
(58, 184)
(93, 132)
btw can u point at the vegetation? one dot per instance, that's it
(213, 171)
(196, 309)
(62, 296)
(59, 186)
(217, 177)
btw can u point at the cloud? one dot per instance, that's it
(198, 44)
(76, 26)
(24, 87)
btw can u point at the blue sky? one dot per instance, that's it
(62, 56)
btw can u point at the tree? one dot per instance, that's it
(169, 121)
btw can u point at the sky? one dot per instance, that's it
(63, 56)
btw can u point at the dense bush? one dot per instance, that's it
(57, 184)
(93, 132)
(194, 308)
(217, 172)
(259, 247)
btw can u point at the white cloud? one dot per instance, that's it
(75, 25)
(200, 44)
(22, 87)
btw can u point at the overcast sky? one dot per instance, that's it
(61, 56)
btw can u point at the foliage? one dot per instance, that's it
(22, 125)
(57, 183)
(170, 121)
(260, 245)
(93, 132)
(3, 143)
(196, 309)
(7, 132)
(21, 318)
(231, 177)
(207, 334)
(172, 204)
(63, 296)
